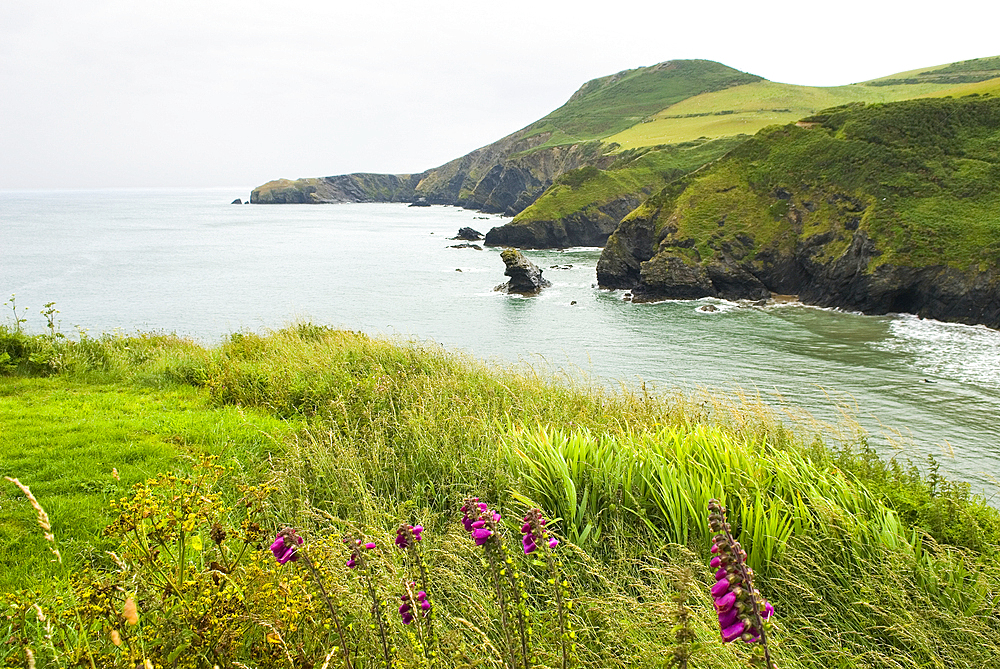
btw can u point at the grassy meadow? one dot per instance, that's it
(193, 457)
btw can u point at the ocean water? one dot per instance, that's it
(190, 263)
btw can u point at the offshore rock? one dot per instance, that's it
(525, 277)
(420, 202)
(237, 201)
(468, 235)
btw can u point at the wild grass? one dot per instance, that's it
(859, 556)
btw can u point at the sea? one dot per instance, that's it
(188, 262)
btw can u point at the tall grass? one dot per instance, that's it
(853, 552)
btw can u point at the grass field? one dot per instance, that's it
(751, 107)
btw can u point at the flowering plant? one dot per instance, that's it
(742, 609)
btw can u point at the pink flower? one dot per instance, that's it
(285, 546)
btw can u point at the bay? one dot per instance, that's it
(187, 262)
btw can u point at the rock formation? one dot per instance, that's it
(525, 277)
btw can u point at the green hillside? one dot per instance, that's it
(752, 106)
(888, 207)
(605, 106)
(729, 113)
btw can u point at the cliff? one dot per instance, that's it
(879, 208)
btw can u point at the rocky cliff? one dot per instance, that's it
(885, 208)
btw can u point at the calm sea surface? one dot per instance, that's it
(189, 262)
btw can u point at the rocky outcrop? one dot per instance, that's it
(657, 267)
(525, 276)
(420, 202)
(589, 227)
(237, 201)
(468, 234)
(361, 187)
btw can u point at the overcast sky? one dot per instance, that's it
(97, 94)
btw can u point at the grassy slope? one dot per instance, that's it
(394, 432)
(608, 105)
(63, 436)
(924, 171)
(750, 107)
(579, 190)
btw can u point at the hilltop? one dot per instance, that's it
(509, 174)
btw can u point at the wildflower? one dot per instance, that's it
(479, 521)
(406, 608)
(407, 534)
(534, 531)
(352, 561)
(740, 607)
(472, 510)
(285, 546)
(218, 534)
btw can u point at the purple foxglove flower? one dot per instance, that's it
(285, 546)
(351, 563)
(370, 545)
(529, 544)
(720, 588)
(526, 528)
(733, 632)
(728, 618)
(481, 536)
(479, 524)
(735, 621)
(553, 542)
(725, 602)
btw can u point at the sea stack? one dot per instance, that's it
(525, 277)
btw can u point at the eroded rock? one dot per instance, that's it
(525, 277)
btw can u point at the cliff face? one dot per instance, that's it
(887, 208)
(343, 188)
(503, 178)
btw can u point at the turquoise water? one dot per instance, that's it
(189, 262)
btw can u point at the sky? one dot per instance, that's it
(207, 93)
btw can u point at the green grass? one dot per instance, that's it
(608, 105)
(867, 563)
(751, 107)
(580, 190)
(63, 436)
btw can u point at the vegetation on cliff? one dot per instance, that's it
(584, 206)
(873, 207)
(868, 564)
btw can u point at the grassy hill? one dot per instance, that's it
(886, 207)
(737, 110)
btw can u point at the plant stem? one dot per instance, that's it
(329, 606)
